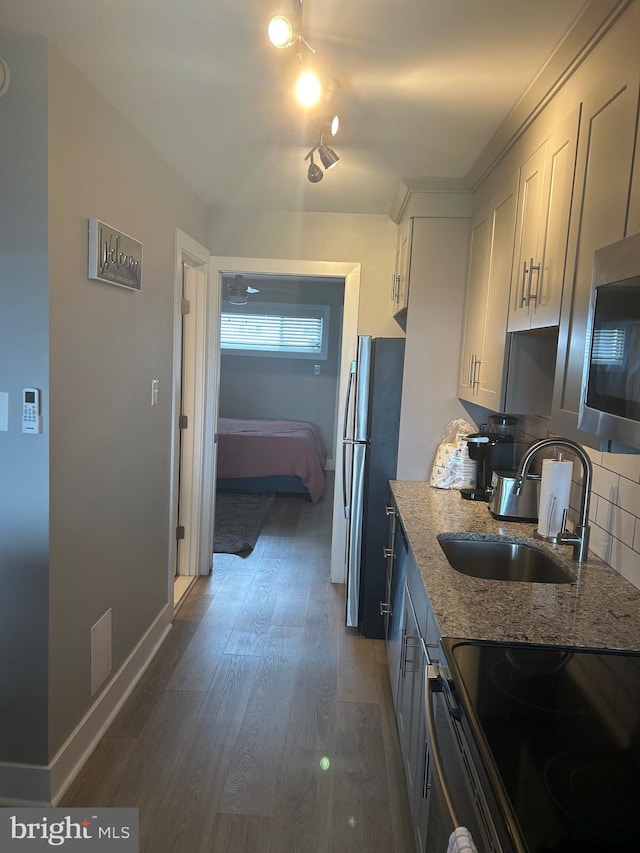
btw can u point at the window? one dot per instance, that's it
(275, 329)
(608, 347)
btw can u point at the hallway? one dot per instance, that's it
(262, 724)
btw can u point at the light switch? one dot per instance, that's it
(4, 411)
(155, 385)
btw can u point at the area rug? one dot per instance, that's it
(238, 521)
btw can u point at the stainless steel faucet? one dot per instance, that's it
(580, 537)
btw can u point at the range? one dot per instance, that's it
(557, 733)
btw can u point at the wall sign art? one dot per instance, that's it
(4, 76)
(114, 257)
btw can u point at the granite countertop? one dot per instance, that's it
(600, 609)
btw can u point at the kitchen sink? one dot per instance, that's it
(501, 560)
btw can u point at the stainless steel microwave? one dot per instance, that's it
(610, 399)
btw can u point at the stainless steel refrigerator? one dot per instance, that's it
(370, 456)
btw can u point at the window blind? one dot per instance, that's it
(271, 333)
(608, 346)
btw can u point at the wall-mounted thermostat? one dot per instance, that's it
(31, 417)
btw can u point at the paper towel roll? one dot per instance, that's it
(555, 492)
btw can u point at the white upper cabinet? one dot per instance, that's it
(400, 281)
(603, 176)
(633, 222)
(542, 227)
(482, 358)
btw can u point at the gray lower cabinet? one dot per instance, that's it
(412, 642)
(410, 701)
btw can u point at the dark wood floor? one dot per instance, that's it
(263, 724)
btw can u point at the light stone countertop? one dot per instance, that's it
(601, 609)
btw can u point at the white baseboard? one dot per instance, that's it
(32, 785)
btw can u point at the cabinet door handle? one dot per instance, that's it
(472, 359)
(532, 268)
(476, 377)
(395, 287)
(523, 284)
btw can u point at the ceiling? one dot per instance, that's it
(422, 86)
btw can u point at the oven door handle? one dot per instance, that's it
(432, 675)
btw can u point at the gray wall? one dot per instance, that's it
(367, 239)
(265, 387)
(105, 498)
(24, 361)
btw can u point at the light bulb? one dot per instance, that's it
(280, 31)
(308, 89)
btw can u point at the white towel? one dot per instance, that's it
(461, 841)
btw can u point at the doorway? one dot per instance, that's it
(350, 273)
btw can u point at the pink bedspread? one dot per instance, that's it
(267, 448)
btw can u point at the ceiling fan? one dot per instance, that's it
(238, 292)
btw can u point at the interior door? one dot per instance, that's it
(194, 412)
(187, 526)
(185, 422)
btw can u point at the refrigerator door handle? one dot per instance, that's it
(344, 480)
(345, 440)
(347, 404)
(354, 539)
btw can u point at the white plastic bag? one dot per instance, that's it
(452, 467)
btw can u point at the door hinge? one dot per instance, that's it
(183, 422)
(180, 531)
(185, 306)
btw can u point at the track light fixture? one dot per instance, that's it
(327, 124)
(328, 156)
(280, 31)
(314, 172)
(308, 89)
(285, 31)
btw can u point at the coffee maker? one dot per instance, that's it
(492, 448)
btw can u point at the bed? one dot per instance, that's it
(262, 455)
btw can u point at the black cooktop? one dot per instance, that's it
(562, 729)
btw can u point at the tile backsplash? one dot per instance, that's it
(614, 514)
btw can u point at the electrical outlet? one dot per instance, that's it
(316, 370)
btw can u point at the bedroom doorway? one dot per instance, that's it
(350, 274)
